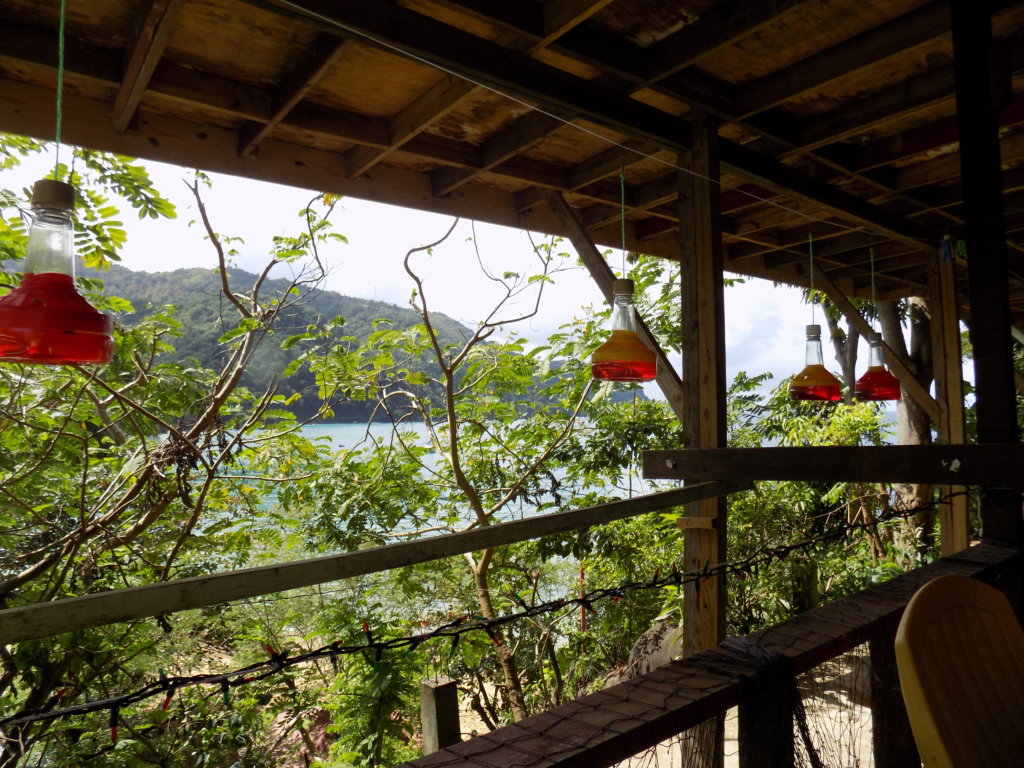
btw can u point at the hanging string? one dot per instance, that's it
(622, 214)
(810, 251)
(60, 85)
(874, 302)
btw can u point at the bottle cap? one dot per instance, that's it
(814, 330)
(50, 193)
(874, 338)
(622, 285)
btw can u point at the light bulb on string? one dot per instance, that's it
(877, 383)
(814, 382)
(45, 319)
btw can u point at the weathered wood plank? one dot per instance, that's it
(997, 465)
(44, 619)
(293, 88)
(601, 729)
(143, 54)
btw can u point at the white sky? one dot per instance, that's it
(764, 323)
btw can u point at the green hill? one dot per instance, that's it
(197, 295)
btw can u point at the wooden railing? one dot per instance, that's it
(604, 728)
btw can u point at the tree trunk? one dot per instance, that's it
(509, 668)
(913, 427)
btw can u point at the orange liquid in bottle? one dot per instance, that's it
(623, 358)
(46, 320)
(877, 384)
(815, 383)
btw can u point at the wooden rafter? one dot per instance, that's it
(326, 50)
(142, 55)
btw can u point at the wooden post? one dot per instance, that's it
(766, 721)
(985, 232)
(892, 740)
(439, 714)
(703, 345)
(949, 392)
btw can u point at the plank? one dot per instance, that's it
(58, 616)
(702, 312)
(901, 35)
(725, 23)
(949, 392)
(142, 55)
(991, 464)
(294, 86)
(607, 727)
(667, 377)
(521, 76)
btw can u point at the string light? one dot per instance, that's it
(453, 630)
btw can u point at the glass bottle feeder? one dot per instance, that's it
(814, 382)
(45, 319)
(623, 357)
(876, 383)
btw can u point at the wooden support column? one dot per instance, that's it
(892, 740)
(439, 714)
(984, 227)
(949, 391)
(668, 379)
(703, 345)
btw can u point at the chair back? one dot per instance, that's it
(960, 654)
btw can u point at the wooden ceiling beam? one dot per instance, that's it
(556, 17)
(522, 134)
(561, 93)
(901, 35)
(153, 30)
(724, 24)
(326, 50)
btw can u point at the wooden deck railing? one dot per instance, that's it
(604, 728)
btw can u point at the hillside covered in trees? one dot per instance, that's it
(201, 308)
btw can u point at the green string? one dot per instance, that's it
(810, 251)
(874, 302)
(622, 215)
(60, 83)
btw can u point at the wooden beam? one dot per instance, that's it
(898, 36)
(723, 24)
(996, 400)
(564, 94)
(949, 391)
(667, 378)
(517, 137)
(153, 30)
(939, 464)
(607, 727)
(326, 50)
(45, 619)
(432, 105)
(702, 313)
(899, 369)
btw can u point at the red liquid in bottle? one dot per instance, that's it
(815, 383)
(877, 384)
(46, 320)
(623, 358)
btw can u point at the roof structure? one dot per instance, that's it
(837, 120)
